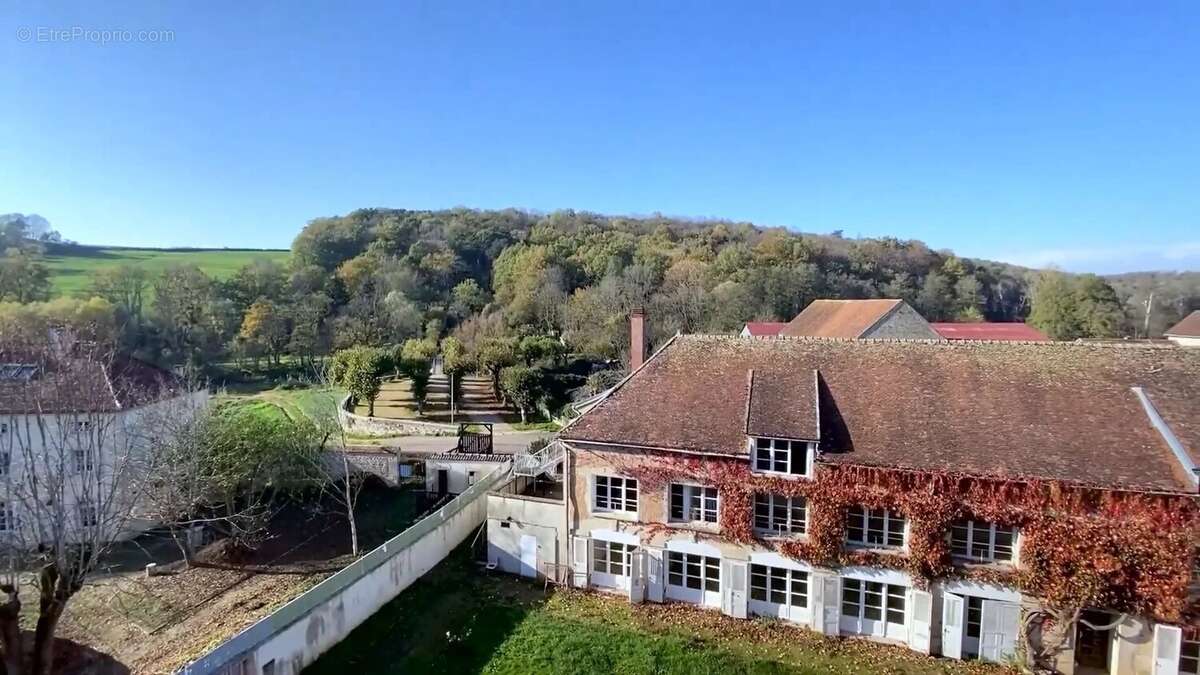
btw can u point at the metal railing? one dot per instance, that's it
(537, 463)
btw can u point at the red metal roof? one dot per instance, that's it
(1012, 331)
(764, 328)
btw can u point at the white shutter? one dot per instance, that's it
(1167, 642)
(831, 589)
(637, 576)
(999, 623)
(655, 574)
(733, 595)
(921, 622)
(582, 561)
(953, 610)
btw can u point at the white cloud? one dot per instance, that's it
(1184, 255)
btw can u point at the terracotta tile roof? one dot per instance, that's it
(763, 328)
(1189, 327)
(797, 419)
(985, 330)
(839, 318)
(86, 385)
(1051, 410)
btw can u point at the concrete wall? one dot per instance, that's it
(512, 517)
(904, 323)
(296, 634)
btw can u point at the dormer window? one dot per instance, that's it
(779, 455)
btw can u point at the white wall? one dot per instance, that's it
(297, 644)
(1186, 341)
(459, 472)
(510, 518)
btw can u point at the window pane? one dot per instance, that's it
(677, 510)
(799, 458)
(895, 604)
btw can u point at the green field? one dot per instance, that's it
(313, 402)
(71, 268)
(459, 619)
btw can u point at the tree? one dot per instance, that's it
(266, 325)
(1053, 306)
(493, 355)
(467, 298)
(416, 356)
(358, 370)
(123, 286)
(1098, 310)
(23, 278)
(522, 386)
(936, 299)
(534, 348)
(193, 321)
(68, 489)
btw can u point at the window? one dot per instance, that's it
(87, 514)
(974, 626)
(470, 478)
(83, 461)
(777, 455)
(615, 494)
(776, 514)
(7, 522)
(83, 425)
(690, 570)
(778, 585)
(693, 503)
(873, 601)
(3, 427)
(5, 461)
(1189, 657)
(878, 528)
(610, 557)
(982, 541)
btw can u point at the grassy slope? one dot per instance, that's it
(458, 620)
(71, 270)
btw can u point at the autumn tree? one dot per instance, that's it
(266, 324)
(358, 370)
(492, 356)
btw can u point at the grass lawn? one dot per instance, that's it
(458, 620)
(308, 402)
(71, 270)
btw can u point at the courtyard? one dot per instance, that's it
(458, 619)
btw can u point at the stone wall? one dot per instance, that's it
(382, 426)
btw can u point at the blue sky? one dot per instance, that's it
(1034, 132)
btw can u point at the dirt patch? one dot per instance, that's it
(158, 624)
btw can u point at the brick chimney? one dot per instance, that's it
(637, 338)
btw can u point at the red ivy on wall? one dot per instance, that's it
(1080, 546)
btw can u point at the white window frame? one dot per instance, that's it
(618, 504)
(89, 515)
(83, 460)
(622, 552)
(889, 517)
(693, 492)
(680, 563)
(771, 464)
(792, 528)
(988, 533)
(763, 581)
(887, 593)
(8, 521)
(1189, 657)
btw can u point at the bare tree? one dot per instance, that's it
(66, 453)
(335, 475)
